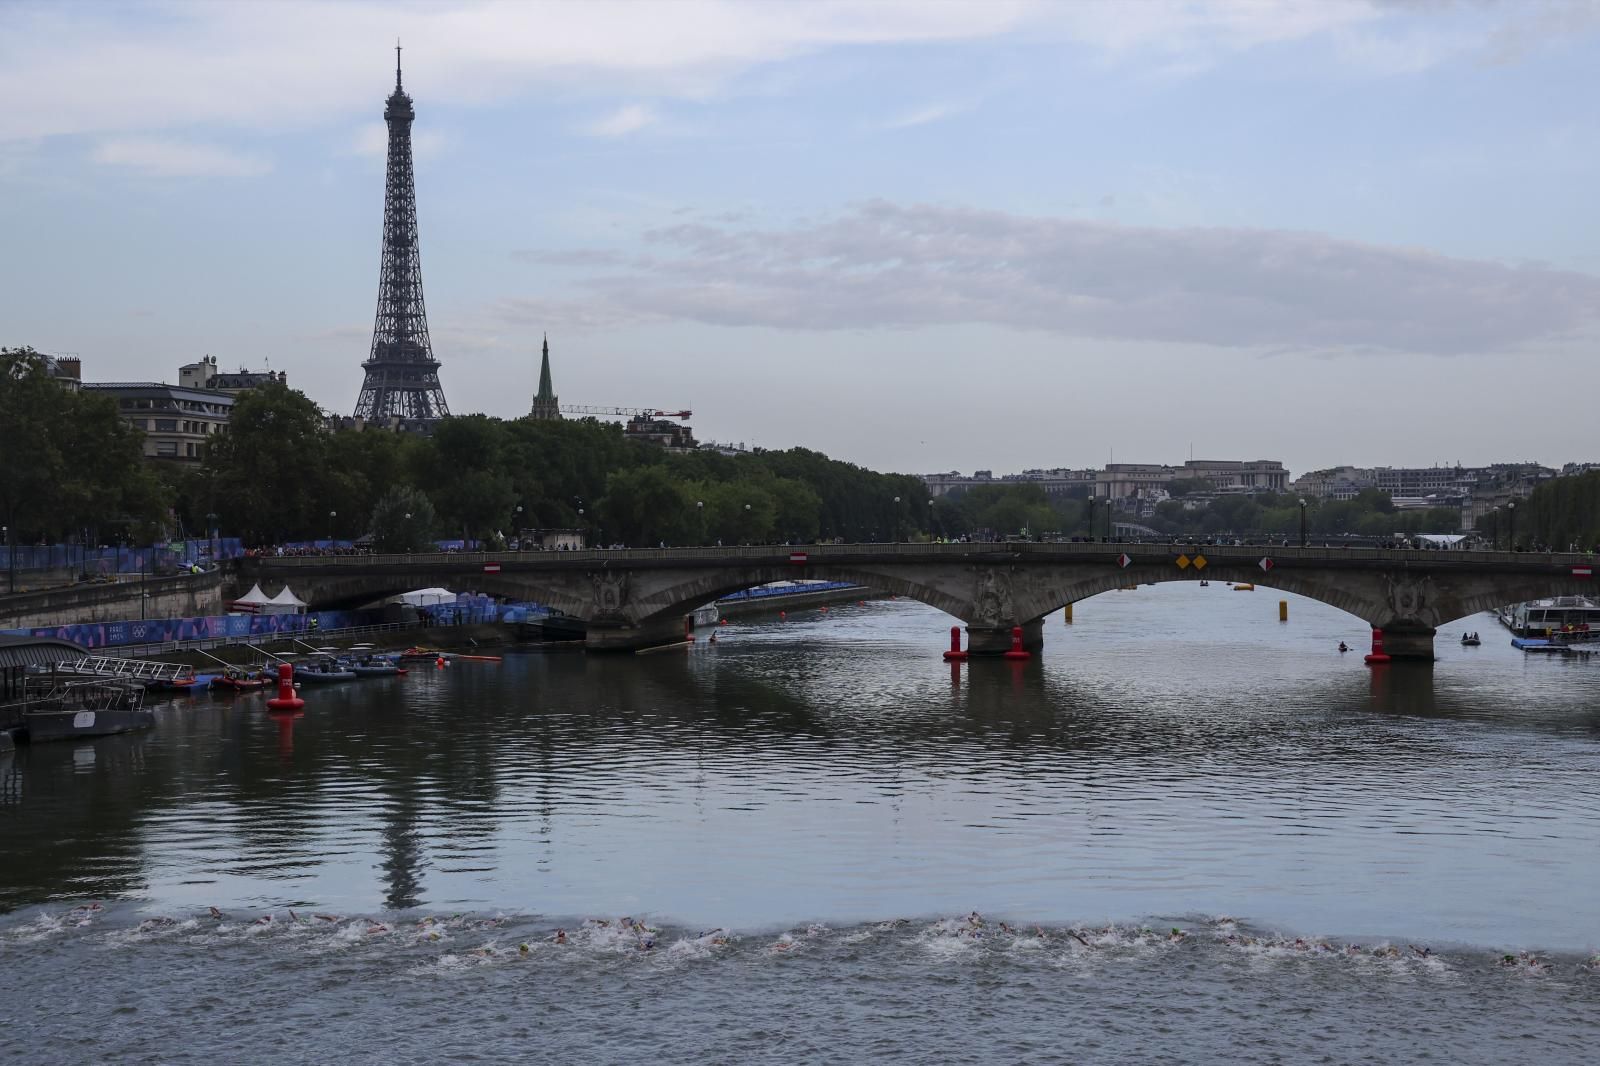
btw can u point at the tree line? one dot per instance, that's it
(280, 474)
(73, 467)
(1561, 513)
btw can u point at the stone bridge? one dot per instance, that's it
(634, 598)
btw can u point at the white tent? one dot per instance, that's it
(286, 602)
(253, 602)
(1442, 540)
(424, 597)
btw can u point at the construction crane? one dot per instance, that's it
(629, 412)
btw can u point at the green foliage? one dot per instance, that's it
(402, 521)
(1179, 487)
(1558, 514)
(70, 461)
(269, 477)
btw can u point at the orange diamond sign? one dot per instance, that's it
(1199, 562)
(1183, 562)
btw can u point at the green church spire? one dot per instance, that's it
(544, 402)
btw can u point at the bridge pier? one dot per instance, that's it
(996, 640)
(1410, 642)
(614, 637)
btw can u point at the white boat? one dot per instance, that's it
(1569, 617)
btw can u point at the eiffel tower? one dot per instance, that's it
(402, 375)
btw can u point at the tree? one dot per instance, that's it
(268, 476)
(402, 521)
(71, 461)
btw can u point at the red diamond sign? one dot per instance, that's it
(1123, 560)
(1265, 564)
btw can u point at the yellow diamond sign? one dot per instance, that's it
(1199, 562)
(1183, 562)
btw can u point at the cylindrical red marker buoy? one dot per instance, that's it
(1378, 656)
(722, 621)
(955, 654)
(1017, 652)
(286, 699)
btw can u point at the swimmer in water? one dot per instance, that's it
(522, 948)
(560, 936)
(1176, 935)
(218, 915)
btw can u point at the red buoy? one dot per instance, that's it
(286, 699)
(955, 654)
(1378, 656)
(1017, 652)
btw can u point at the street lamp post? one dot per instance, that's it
(516, 527)
(897, 520)
(748, 538)
(1511, 540)
(931, 517)
(1302, 523)
(1090, 501)
(333, 517)
(11, 560)
(700, 520)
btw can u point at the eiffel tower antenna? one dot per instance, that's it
(402, 376)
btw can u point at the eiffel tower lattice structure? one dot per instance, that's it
(402, 376)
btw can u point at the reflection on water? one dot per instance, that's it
(1176, 751)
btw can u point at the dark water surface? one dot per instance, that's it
(1349, 854)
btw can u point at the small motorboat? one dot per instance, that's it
(376, 666)
(323, 669)
(234, 679)
(174, 684)
(1470, 640)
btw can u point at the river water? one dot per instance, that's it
(1188, 833)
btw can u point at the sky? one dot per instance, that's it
(919, 236)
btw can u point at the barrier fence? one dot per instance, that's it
(117, 559)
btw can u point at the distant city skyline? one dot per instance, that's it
(916, 237)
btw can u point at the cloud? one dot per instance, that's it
(885, 266)
(924, 115)
(621, 122)
(167, 158)
(143, 67)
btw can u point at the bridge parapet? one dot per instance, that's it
(639, 595)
